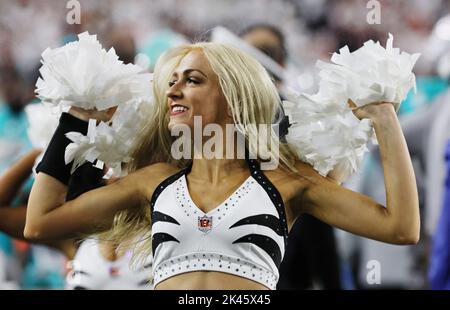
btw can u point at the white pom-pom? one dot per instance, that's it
(327, 135)
(324, 130)
(110, 144)
(84, 75)
(370, 74)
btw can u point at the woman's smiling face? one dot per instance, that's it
(194, 90)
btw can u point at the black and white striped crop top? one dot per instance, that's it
(245, 235)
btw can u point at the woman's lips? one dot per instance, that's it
(178, 110)
(177, 113)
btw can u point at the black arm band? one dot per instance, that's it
(53, 161)
(84, 179)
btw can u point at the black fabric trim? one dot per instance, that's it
(85, 178)
(159, 238)
(163, 186)
(53, 162)
(161, 217)
(272, 192)
(267, 220)
(266, 243)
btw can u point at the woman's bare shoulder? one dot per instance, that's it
(306, 169)
(157, 171)
(293, 184)
(285, 174)
(152, 175)
(288, 182)
(161, 168)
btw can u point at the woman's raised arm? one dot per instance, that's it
(50, 217)
(399, 221)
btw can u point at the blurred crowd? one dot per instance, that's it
(295, 34)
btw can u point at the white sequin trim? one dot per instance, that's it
(214, 262)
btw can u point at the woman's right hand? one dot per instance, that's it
(85, 115)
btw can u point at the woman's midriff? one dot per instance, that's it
(208, 280)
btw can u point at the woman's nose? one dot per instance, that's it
(174, 92)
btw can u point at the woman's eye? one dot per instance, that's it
(190, 80)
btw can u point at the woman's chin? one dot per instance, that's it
(173, 124)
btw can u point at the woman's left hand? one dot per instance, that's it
(372, 110)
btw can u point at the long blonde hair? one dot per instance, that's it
(252, 99)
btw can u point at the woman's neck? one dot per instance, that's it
(215, 170)
(223, 162)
